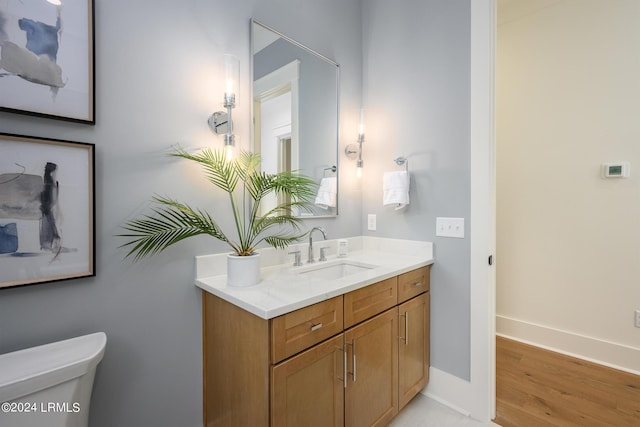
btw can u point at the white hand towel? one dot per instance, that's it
(395, 189)
(327, 193)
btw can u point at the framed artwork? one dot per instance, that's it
(47, 59)
(47, 210)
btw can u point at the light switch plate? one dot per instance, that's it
(450, 227)
(371, 222)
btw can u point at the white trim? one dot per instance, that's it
(613, 355)
(480, 401)
(284, 75)
(449, 390)
(284, 79)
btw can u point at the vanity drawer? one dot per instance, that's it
(413, 283)
(300, 329)
(366, 302)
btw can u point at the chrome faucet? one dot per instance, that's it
(324, 234)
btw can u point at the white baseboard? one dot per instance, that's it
(449, 390)
(606, 353)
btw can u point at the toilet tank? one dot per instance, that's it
(50, 384)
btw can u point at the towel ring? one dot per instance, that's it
(330, 168)
(402, 161)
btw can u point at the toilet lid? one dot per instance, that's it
(27, 371)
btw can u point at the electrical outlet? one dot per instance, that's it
(638, 318)
(371, 222)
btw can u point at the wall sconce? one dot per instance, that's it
(221, 122)
(354, 151)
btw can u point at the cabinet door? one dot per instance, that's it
(413, 351)
(371, 395)
(308, 389)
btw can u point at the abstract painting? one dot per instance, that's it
(46, 58)
(46, 210)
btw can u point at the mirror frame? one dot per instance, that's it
(337, 136)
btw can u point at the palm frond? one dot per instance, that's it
(218, 171)
(173, 221)
(264, 223)
(282, 241)
(295, 184)
(259, 185)
(247, 164)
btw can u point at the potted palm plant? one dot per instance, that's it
(246, 186)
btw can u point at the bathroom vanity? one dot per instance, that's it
(343, 342)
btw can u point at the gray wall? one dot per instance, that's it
(417, 94)
(158, 79)
(158, 67)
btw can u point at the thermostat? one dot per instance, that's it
(615, 170)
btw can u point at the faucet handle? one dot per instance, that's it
(322, 253)
(297, 261)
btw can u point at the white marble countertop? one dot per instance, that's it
(283, 289)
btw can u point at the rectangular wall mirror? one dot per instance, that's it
(295, 113)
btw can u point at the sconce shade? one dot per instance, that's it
(354, 151)
(221, 122)
(229, 149)
(231, 76)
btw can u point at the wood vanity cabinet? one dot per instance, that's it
(371, 394)
(307, 389)
(413, 348)
(353, 360)
(414, 332)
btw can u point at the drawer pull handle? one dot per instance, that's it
(316, 327)
(417, 284)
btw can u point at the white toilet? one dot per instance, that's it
(50, 385)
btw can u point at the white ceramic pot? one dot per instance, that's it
(243, 270)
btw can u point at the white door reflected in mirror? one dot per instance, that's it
(295, 111)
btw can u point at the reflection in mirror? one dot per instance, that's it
(295, 113)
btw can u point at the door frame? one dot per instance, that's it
(483, 211)
(282, 80)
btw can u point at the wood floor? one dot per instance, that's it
(539, 388)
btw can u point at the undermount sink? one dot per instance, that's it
(337, 269)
